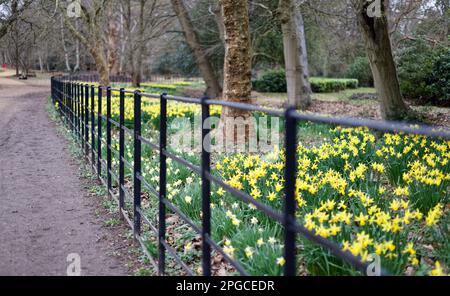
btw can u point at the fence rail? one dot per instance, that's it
(76, 106)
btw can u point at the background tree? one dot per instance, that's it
(295, 55)
(93, 16)
(375, 31)
(10, 11)
(213, 88)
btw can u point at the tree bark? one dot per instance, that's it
(213, 88)
(375, 31)
(66, 53)
(295, 55)
(77, 51)
(112, 41)
(41, 64)
(237, 86)
(137, 75)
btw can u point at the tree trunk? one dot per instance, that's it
(295, 56)
(237, 86)
(100, 63)
(122, 40)
(213, 89)
(77, 51)
(66, 53)
(130, 46)
(41, 64)
(375, 31)
(92, 40)
(112, 56)
(137, 75)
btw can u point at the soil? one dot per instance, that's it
(46, 211)
(368, 108)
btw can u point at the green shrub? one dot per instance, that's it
(440, 77)
(275, 81)
(271, 81)
(360, 69)
(423, 73)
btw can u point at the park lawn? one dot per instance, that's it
(341, 96)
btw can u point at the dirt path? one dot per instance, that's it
(45, 213)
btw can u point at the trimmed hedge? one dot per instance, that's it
(275, 81)
(323, 85)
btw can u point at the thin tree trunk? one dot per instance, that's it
(41, 64)
(77, 51)
(295, 56)
(213, 88)
(375, 31)
(112, 57)
(219, 20)
(137, 77)
(122, 40)
(17, 58)
(66, 53)
(130, 45)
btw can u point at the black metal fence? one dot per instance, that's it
(76, 106)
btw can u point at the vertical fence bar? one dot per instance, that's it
(92, 126)
(206, 189)
(71, 86)
(86, 120)
(99, 133)
(82, 123)
(108, 140)
(162, 182)
(137, 163)
(75, 109)
(73, 93)
(79, 110)
(121, 151)
(68, 104)
(289, 203)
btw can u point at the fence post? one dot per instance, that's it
(290, 203)
(137, 164)
(121, 152)
(83, 126)
(206, 189)
(71, 87)
(79, 111)
(86, 119)
(75, 110)
(92, 126)
(99, 133)
(162, 182)
(108, 140)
